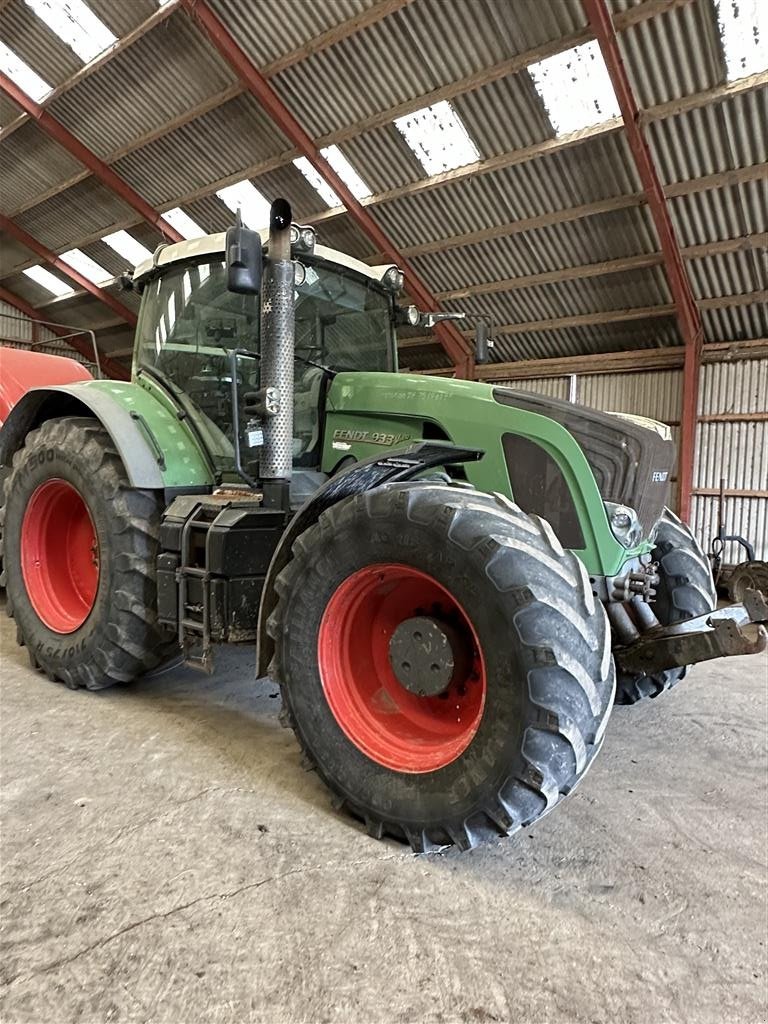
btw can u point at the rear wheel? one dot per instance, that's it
(686, 589)
(443, 662)
(80, 546)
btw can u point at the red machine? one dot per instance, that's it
(21, 370)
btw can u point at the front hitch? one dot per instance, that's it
(735, 629)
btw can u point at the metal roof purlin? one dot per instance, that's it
(95, 164)
(685, 304)
(457, 348)
(108, 365)
(44, 253)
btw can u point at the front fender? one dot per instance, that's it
(363, 476)
(156, 448)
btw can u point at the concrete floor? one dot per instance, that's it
(165, 858)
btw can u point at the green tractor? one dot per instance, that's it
(451, 582)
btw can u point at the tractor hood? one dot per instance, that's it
(630, 457)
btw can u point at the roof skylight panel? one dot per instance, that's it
(575, 88)
(343, 168)
(438, 138)
(76, 25)
(183, 223)
(318, 183)
(127, 246)
(243, 196)
(22, 74)
(744, 34)
(86, 266)
(48, 281)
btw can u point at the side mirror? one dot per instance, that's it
(483, 342)
(244, 260)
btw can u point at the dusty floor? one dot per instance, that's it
(165, 858)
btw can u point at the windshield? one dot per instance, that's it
(192, 332)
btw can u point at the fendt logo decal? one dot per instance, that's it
(659, 476)
(370, 437)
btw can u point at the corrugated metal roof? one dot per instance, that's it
(503, 115)
(8, 111)
(398, 59)
(31, 163)
(274, 28)
(728, 274)
(560, 181)
(12, 254)
(718, 137)
(369, 75)
(735, 323)
(215, 145)
(159, 77)
(686, 49)
(123, 18)
(604, 237)
(86, 208)
(727, 212)
(36, 44)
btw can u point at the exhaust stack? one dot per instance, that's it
(277, 344)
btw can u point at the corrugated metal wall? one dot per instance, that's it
(735, 451)
(16, 331)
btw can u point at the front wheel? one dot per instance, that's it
(443, 662)
(79, 547)
(686, 590)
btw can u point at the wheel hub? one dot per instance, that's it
(424, 654)
(59, 556)
(414, 719)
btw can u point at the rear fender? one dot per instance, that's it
(143, 431)
(363, 476)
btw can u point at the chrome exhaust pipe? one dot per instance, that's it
(277, 347)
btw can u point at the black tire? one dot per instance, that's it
(4, 474)
(748, 576)
(544, 638)
(120, 639)
(686, 589)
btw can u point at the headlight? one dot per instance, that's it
(302, 238)
(393, 279)
(625, 525)
(407, 316)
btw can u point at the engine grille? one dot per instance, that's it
(632, 464)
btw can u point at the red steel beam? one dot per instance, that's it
(455, 345)
(109, 366)
(13, 229)
(686, 309)
(95, 164)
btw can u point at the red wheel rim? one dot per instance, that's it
(390, 724)
(59, 556)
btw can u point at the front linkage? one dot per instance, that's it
(734, 630)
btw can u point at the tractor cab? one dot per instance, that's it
(201, 342)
